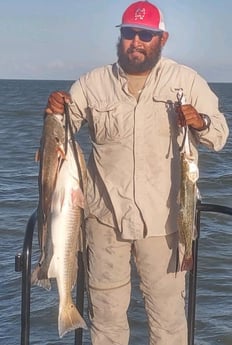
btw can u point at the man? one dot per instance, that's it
(134, 174)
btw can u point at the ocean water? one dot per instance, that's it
(21, 109)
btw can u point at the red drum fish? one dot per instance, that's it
(64, 217)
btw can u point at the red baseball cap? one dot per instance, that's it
(144, 15)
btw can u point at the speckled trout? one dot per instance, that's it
(60, 245)
(188, 195)
(188, 199)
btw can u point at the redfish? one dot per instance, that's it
(64, 218)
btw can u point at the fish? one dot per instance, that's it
(188, 195)
(188, 200)
(51, 151)
(64, 219)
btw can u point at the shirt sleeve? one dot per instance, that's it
(206, 102)
(78, 106)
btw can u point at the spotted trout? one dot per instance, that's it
(187, 197)
(61, 243)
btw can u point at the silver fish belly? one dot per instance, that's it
(62, 240)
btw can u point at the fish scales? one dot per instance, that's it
(51, 148)
(188, 198)
(66, 219)
(187, 194)
(49, 155)
(59, 254)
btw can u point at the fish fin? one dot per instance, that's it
(52, 268)
(187, 264)
(69, 319)
(36, 279)
(60, 152)
(77, 198)
(45, 284)
(37, 155)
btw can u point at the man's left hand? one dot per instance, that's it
(188, 116)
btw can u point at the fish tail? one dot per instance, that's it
(187, 263)
(69, 319)
(38, 278)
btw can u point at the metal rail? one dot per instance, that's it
(23, 264)
(192, 283)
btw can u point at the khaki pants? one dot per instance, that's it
(110, 287)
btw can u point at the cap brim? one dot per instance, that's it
(138, 27)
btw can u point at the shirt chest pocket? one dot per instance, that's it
(107, 123)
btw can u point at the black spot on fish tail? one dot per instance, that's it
(69, 319)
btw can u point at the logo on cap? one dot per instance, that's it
(140, 13)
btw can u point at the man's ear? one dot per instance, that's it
(164, 38)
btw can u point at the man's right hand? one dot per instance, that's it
(56, 101)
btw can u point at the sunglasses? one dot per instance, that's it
(144, 35)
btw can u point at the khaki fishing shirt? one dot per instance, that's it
(134, 167)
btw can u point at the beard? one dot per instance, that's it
(134, 66)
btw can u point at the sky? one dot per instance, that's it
(61, 40)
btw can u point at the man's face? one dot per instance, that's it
(137, 56)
